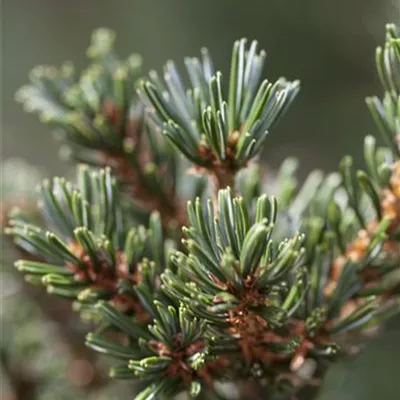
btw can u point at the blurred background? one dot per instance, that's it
(328, 45)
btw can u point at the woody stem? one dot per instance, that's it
(221, 178)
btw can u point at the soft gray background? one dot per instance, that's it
(329, 45)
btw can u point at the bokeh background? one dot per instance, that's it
(328, 44)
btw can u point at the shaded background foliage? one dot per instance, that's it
(328, 45)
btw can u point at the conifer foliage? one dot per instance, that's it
(243, 294)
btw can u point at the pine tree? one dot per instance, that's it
(257, 287)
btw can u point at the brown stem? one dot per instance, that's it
(221, 178)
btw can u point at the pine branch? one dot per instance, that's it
(374, 195)
(101, 122)
(219, 131)
(172, 356)
(89, 249)
(386, 111)
(265, 291)
(17, 190)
